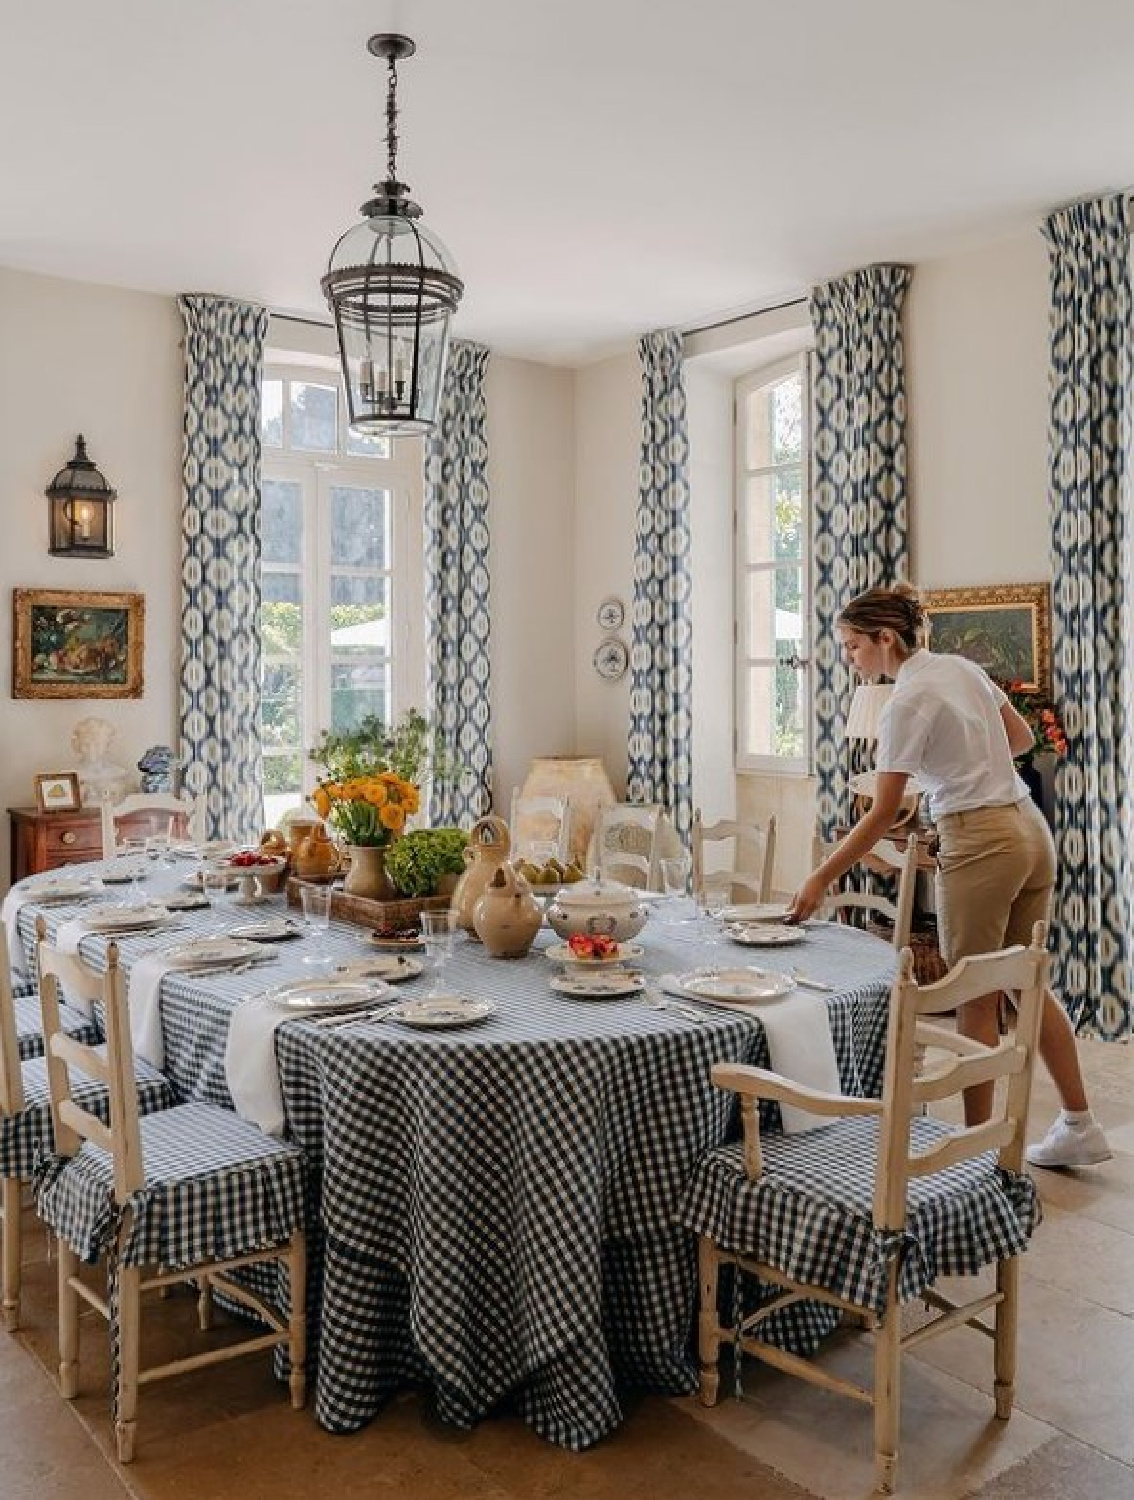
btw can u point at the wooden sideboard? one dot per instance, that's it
(45, 840)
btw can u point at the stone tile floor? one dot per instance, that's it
(229, 1432)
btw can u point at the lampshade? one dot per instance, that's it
(866, 710)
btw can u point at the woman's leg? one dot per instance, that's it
(978, 1020)
(1060, 1054)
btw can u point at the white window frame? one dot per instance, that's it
(317, 473)
(781, 765)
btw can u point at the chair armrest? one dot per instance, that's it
(759, 1083)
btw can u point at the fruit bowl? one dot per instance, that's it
(260, 873)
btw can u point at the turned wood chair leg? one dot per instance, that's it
(1008, 1284)
(887, 1391)
(67, 1264)
(129, 1353)
(297, 1323)
(12, 1252)
(708, 1321)
(204, 1304)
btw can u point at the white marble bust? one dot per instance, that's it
(99, 777)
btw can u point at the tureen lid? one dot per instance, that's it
(598, 893)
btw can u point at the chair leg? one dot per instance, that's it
(297, 1322)
(129, 1346)
(1008, 1284)
(12, 1252)
(708, 1322)
(67, 1266)
(204, 1304)
(887, 1390)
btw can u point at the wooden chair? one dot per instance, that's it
(25, 1129)
(884, 856)
(625, 844)
(754, 854)
(540, 820)
(194, 1191)
(896, 1194)
(147, 813)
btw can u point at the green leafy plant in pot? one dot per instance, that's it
(419, 862)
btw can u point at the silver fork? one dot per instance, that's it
(653, 999)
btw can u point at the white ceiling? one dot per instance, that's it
(597, 167)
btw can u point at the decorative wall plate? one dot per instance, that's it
(611, 659)
(611, 614)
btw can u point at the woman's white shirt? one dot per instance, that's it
(943, 725)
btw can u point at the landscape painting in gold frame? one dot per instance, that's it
(1005, 629)
(68, 644)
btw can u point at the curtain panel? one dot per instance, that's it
(220, 563)
(1093, 668)
(859, 504)
(660, 757)
(457, 587)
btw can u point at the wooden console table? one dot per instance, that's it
(45, 840)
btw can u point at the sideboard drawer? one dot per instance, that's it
(71, 839)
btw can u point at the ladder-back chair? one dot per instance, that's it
(753, 854)
(146, 813)
(625, 843)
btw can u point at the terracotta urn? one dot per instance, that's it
(507, 916)
(583, 778)
(487, 849)
(367, 874)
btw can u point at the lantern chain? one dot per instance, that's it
(392, 121)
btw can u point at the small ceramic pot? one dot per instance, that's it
(507, 916)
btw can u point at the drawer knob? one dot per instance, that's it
(69, 836)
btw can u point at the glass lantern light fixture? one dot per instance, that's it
(392, 287)
(82, 509)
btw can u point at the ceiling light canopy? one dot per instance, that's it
(392, 287)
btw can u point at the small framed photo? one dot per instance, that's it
(57, 791)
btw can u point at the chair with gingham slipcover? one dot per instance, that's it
(192, 1193)
(865, 1213)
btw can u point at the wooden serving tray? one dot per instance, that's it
(380, 915)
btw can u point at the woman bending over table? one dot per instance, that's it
(949, 725)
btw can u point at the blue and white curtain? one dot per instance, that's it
(220, 563)
(457, 588)
(859, 488)
(660, 757)
(1093, 659)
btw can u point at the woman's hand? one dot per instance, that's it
(807, 899)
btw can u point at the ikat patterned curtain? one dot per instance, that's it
(1093, 658)
(220, 563)
(859, 488)
(660, 760)
(457, 587)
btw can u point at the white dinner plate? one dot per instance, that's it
(210, 849)
(607, 985)
(738, 986)
(190, 901)
(113, 874)
(441, 1012)
(765, 935)
(200, 953)
(63, 890)
(562, 953)
(268, 930)
(231, 878)
(757, 911)
(328, 994)
(124, 918)
(392, 967)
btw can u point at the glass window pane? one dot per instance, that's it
(283, 772)
(773, 516)
(772, 612)
(360, 526)
(358, 689)
(772, 718)
(362, 627)
(361, 445)
(271, 413)
(282, 588)
(787, 420)
(281, 714)
(282, 523)
(358, 588)
(314, 417)
(281, 628)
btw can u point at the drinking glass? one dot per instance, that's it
(438, 929)
(316, 900)
(157, 850)
(214, 884)
(713, 895)
(130, 856)
(675, 884)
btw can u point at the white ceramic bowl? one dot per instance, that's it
(598, 906)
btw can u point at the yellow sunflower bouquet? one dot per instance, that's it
(369, 811)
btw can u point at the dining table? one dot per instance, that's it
(492, 1206)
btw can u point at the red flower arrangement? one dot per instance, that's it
(1042, 718)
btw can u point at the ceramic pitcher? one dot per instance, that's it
(486, 851)
(507, 916)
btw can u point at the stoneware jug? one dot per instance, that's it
(486, 851)
(317, 858)
(507, 916)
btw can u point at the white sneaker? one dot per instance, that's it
(1070, 1143)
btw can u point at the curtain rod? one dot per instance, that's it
(295, 318)
(744, 317)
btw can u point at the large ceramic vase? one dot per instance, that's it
(507, 916)
(583, 778)
(486, 851)
(367, 874)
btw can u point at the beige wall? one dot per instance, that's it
(77, 358)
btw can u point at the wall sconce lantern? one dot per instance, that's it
(82, 509)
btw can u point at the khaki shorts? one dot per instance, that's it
(995, 876)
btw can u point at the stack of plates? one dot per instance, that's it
(61, 888)
(609, 984)
(212, 953)
(441, 1012)
(731, 986)
(563, 953)
(315, 995)
(764, 934)
(111, 919)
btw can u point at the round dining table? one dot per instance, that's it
(492, 1207)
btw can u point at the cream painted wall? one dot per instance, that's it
(107, 363)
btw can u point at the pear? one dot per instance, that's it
(530, 872)
(572, 873)
(555, 869)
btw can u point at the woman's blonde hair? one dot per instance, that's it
(898, 609)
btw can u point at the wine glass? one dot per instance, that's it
(713, 895)
(675, 884)
(316, 901)
(130, 859)
(438, 929)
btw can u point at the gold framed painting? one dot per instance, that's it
(68, 644)
(1005, 629)
(57, 791)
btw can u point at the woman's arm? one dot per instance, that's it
(889, 789)
(1016, 727)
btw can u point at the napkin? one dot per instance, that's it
(71, 934)
(800, 1046)
(250, 1062)
(143, 1000)
(11, 914)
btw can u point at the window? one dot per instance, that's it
(341, 620)
(773, 597)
